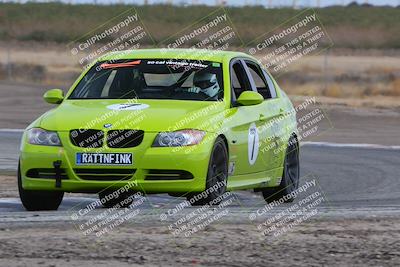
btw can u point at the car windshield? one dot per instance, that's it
(152, 79)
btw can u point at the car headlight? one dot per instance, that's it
(37, 136)
(179, 138)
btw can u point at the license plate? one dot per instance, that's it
(104, 158)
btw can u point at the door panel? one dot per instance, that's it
(245, 125)
(270, 118)
(246, 135)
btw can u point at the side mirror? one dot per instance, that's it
(249, 98)
(54, 96)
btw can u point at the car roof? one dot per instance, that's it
(195, 54)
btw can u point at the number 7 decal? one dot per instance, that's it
(253, 143)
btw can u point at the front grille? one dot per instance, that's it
(124, 138)
(45, 173)
(90, 138)
(168, 175)
(87, 138)
(105, 174)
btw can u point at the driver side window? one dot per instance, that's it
(239, 79)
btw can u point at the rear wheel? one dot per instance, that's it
(38, 200)
(216, 176)
(290, 177)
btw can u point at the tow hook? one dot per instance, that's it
(57, 165)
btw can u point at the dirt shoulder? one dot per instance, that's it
(8, 185)
(368, 242)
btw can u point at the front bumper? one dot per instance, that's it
(146, 160)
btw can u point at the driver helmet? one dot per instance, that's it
(207, 82)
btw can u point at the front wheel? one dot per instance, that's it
(216, 177)
(38, 200)
(290, 177)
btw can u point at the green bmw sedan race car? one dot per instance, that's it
(189, 123)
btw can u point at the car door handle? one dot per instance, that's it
(262, 118)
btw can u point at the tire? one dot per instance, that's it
(124, 200)
(38, 200)
(290, 177)
(217, 174)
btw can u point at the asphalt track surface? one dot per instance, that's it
(356, 181)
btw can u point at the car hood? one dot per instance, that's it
(147, 115)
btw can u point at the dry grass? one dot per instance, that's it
(395, 87)
(381, 95)
(360, 78)
(353, 27)
(345, 90)
(333, 90)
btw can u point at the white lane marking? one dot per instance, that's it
(328, 144)
(67, 200)
(10, 201)
(6, 130)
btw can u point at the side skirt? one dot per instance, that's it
(269, 178)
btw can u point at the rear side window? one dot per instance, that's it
(271, 85)
(259, 80)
